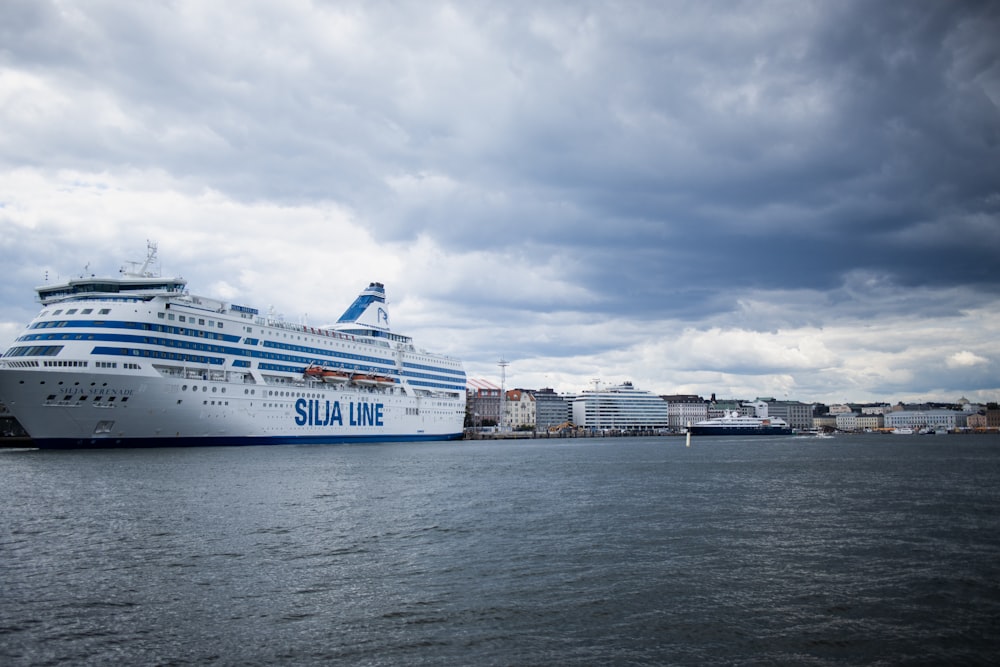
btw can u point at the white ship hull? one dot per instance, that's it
(166, 412)
(146, 364)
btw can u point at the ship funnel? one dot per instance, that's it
(368, 310)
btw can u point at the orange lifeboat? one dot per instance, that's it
(335, 377)
(364, 380)
(315, 372)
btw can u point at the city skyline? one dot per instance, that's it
(787, 198)
(476, 383)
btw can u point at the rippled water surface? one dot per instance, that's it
(852, 550)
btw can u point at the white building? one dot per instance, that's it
(622, 408)
(847, 421)
(917, 419)
(519, 409)
(684, 409)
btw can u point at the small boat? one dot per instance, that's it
(364, 379)
(325, 375)
(335, 377)
(902, 431)
(372, 380)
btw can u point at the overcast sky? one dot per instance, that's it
(791, 199)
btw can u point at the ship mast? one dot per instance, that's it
(143, 271)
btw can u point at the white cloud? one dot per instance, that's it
(965, 359)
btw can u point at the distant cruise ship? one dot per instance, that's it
(138, 361)
(733, 423)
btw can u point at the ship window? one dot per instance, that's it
(71, 311)
(86, 311)
(58, 312)
(104, 311)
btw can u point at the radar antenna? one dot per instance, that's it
(145, 270)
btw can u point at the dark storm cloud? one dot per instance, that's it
(660, 161)
(862, 139)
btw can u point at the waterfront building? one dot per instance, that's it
(796, 413)
(684, 409)
(986, 419)
(620, 408)
(519, 410)
(551, 409)
(825, 422)
(868, 421)
(847, 421)
(917, 419)
(484, 404)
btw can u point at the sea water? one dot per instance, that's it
(626, 551)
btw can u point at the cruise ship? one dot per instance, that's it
(137, 361)
(733, 423)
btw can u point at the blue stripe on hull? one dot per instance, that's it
(131, 443)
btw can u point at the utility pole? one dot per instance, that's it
(597, 403)
(503, 391)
